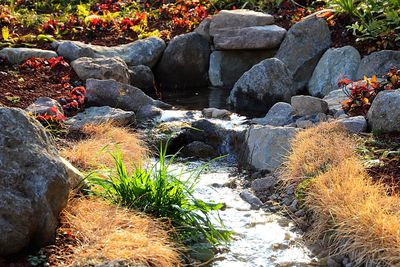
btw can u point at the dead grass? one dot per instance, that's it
(90, 153)
(356, 216)
(108, 233)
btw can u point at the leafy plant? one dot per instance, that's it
(163, 193)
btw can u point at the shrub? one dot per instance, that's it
(164, 193)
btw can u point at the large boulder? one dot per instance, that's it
(142, 52)
(98, 115)
(384, 114)
(335, 100)
(302, 48)
(101, 68)
(249, 38)
(304, 105)
(334, 64)
(239, 18)
(378, 63)
(123, 96)
(226, 67)
(280, 114)
(18, 55)
(142, 77)
(357, 124)
(184, 63)
(267, 146)
(34, 184)
(262, 86)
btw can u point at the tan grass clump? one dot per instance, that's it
(108, 233)
(92, 153)
(315, 149)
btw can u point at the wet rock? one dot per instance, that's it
(303, 46)
(18, 55)
(215, 113)
(334, 64)
(262, 37)
(279, 115)
(304, 105)
(335, 100)
(239, 18)
(202, 252)
(119, 95)
(264, 184)
(268, 145)
(142, 52)
(356, 124)
(101, 68)
(384, 114)
(141, 77)
(293, 205)
(254, 201)
(265, 84)
(332, 263)
(34, 187)
(204, 29)
(98, 115)
(45, 105)
(226, 67)
(378, 63)
(200, 150)
(184, 63)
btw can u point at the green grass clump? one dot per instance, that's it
(162, 192)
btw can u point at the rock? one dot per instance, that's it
(200, 150)
(264, 184)
(239, 18)
(332, 263)
(184, 63)
(254, 201)
(141, 77)
(266, 146)
(302, 48)
(334, 64)
(34, 184)
(262, 86)
(119, 95)
(142, 52)
(378, 63)
(335, 100)
(215, 113)
(76, 178)
(101, 68)
(262, 37)
(304, 105)
(204, 29)
(226, 67)
(384, 114)
(98, 115)
(279, 115)
(321, 117)
(45, 105)
(356, 124)
(304, 124)
(18, 55)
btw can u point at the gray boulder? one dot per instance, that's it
(264, 184)
(123, 96)
(356, 124)
(254, 201)
(262, 37)
(34, 184)
(18, 55)
(226, 67)
(378, 63)
(142, 77)
(184, 63)
(304, 105)
(267, 146)
(142, 52)
(335, 100)
(215, 113)
(45, 105)
(200, 150)
(101, 68)
(334, 64)
(279, 115)
(204, 29)
(98, 115)
(384, 114)
(262, 86)
(239, 18)
(302, 48)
